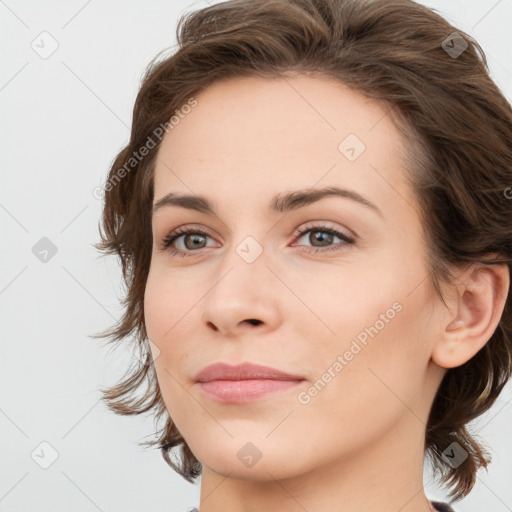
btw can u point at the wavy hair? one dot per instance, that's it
(457, 126)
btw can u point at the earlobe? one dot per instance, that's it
(477, 308)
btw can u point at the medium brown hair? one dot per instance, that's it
(458, 130)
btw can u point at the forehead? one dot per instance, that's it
(281, 133)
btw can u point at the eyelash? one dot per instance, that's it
(174, 235)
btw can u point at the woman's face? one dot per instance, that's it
(336, 285)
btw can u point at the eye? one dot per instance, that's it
(186, 240)
(322, 238)
(192, 239)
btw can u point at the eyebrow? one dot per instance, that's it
(283, 202)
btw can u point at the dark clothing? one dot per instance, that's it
(442, 507)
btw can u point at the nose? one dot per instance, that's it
(243, 297)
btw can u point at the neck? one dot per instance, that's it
(387, 475)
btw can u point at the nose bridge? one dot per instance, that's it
(242, 271)
(243, 288)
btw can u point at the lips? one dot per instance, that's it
(244, 383)
(245, 371)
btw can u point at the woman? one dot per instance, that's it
(313, 220)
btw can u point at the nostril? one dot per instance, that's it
(252, 321)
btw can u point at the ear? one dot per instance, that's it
(473, 314)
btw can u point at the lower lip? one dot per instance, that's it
(243, 391)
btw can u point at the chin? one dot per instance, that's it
(262, 471)
(243, 459)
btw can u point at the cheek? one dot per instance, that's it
(168, 305)
(346, 304)
(379, 358)
(155, 306)
(162, 312)
(165, 315)
(362, 392)
(373, 344)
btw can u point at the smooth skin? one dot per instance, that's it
(357, 445)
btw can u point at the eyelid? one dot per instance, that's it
(181, 231)
(320, 225)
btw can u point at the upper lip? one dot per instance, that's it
(244, 371)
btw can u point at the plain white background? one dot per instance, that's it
(63, 119)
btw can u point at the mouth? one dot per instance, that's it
(244, 383)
